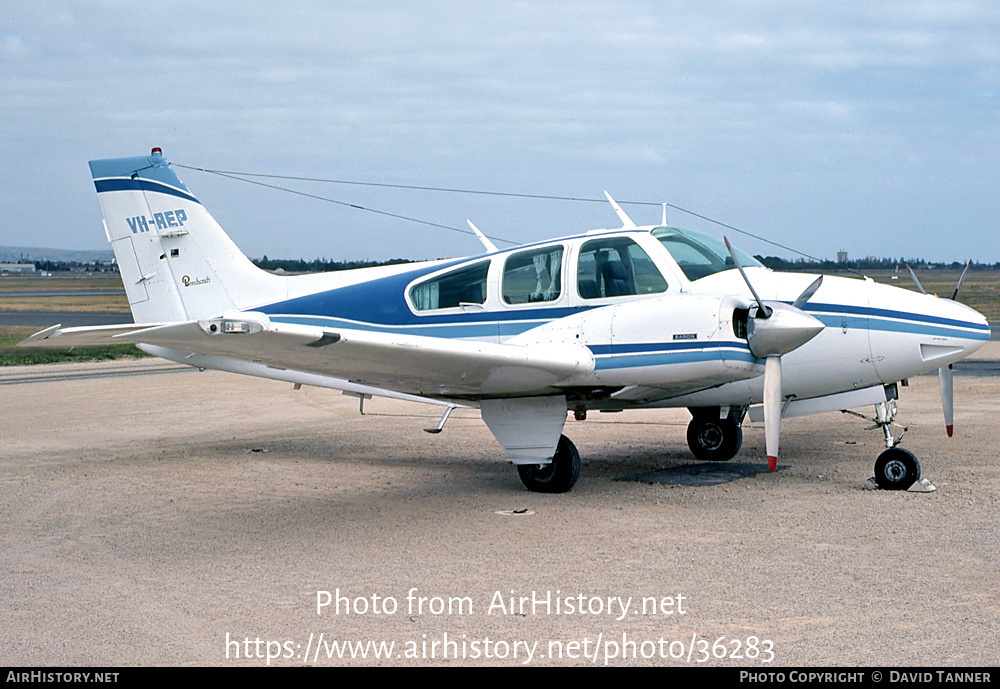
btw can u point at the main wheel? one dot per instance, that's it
(896, 469)
(712, 439)
(558, 476)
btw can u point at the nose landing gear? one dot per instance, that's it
(896, 468)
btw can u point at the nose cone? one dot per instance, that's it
(913, 333)
(970, 329)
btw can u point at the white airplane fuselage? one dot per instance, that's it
(676, 348)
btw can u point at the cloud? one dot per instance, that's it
(727, 105)
(13, 48)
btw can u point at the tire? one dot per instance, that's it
(714, 439)
(896, 469)
(558, 476)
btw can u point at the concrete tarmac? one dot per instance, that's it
(155, 515)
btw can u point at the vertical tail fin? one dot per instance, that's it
(177, 263)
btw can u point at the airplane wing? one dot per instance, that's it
(413, 364)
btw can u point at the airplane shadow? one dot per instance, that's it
(699, 474)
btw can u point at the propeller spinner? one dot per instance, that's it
(773, 330)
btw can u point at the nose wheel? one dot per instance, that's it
(896, 469)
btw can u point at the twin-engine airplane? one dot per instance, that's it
(609, 320)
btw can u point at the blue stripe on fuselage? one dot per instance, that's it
(380, 305)
(899, 321)
(668, 353)
(455, 330)
(378, 302)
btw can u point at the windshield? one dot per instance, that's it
(700, 255)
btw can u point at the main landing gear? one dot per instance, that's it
(558, 476)
(715, 439)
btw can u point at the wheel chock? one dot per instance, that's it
(922, 486)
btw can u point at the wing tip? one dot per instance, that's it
(40, 336)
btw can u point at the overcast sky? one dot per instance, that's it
(866, 126)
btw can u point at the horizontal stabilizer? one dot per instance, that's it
(57, 336)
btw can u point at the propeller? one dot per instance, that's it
(945, 372)
(773, 330)
(913, 276)
(954, 295)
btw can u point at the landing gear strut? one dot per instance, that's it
(896, 468)
(558, 476)
(714, 439)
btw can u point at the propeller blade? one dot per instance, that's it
(959, 285)
(763, 311)
(947, 398)
(771, 332)
(915, 280)
(807, 293)
(945, 374)
(772, 409)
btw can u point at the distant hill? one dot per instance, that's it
(13, 254)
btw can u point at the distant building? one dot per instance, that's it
(17, 267)
(841, 256)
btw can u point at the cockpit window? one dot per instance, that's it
(615, 267)
(533, 276)
(700, 255)
(462, 286)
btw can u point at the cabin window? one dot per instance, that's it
(462, 286)
(615, 267)
(533, 276)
